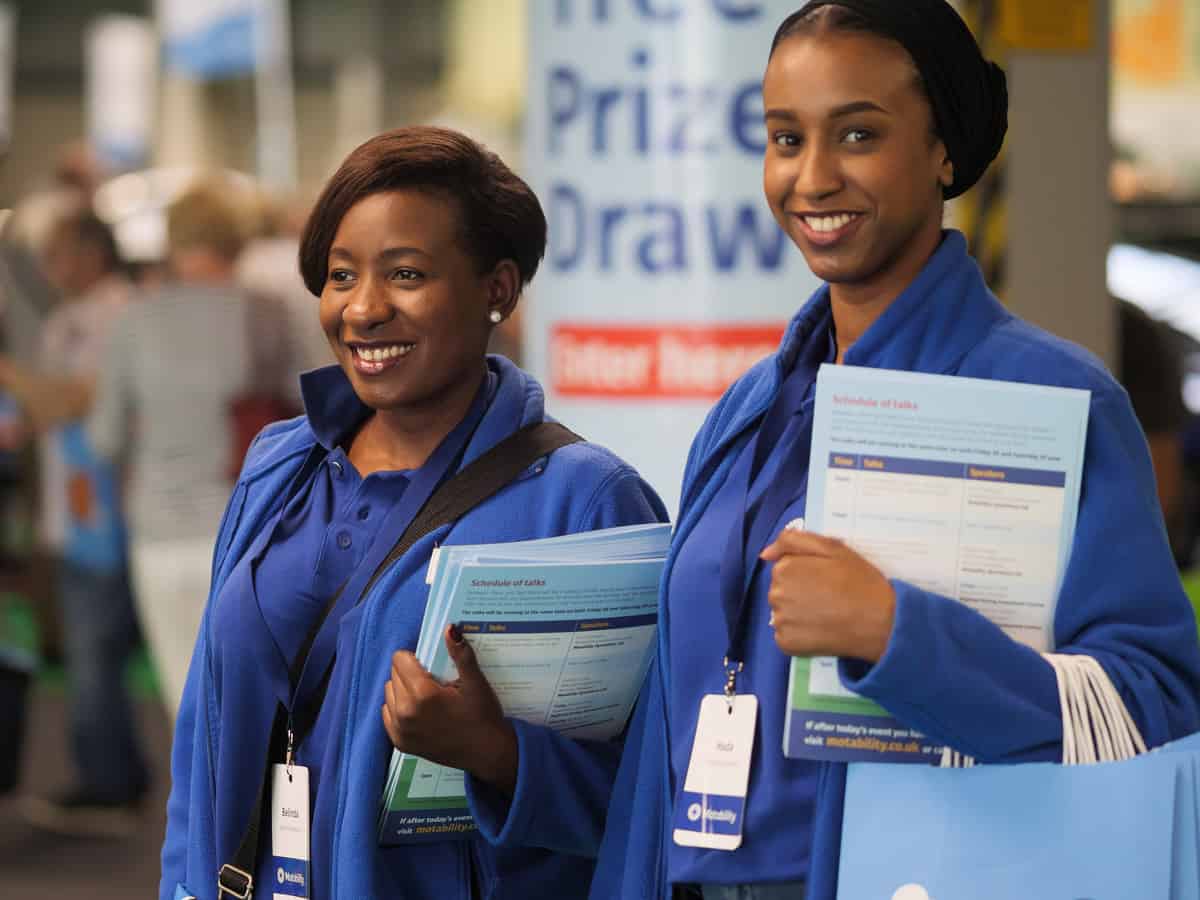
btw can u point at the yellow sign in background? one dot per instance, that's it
(1156, 42)
(1156, 93)
(1054, 25)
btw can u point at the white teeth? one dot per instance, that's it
(379, 354)
(828, 223)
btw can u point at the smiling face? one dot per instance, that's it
(404, 305)
(853, 172)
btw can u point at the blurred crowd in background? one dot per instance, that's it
(125, 377)
(152, 317)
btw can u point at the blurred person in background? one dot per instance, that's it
(178, 361)
(266, 269)
(26, 294)
(1150, 367)
(27, 297)
(83, 532)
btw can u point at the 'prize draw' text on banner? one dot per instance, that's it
(666, 276)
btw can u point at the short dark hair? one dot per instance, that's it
(501, 216)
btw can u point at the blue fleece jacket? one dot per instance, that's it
(541, 843)
(991, 697)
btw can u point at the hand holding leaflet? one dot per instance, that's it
(562, 630)
(461, 723)
(826, 572)
(963, 487)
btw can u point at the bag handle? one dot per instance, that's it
(1097, 726)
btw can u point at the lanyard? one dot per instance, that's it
(787, 429)
(318, 662)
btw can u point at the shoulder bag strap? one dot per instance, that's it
(481, 479)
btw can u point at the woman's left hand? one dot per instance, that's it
(460, 724)
(826, 599)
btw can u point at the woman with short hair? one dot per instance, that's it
(420, 244)
(876, 112)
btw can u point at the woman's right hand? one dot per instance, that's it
(460, 724)
(826, 599)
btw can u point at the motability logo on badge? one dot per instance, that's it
(285, 877)
(711, 815)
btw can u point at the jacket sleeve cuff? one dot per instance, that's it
(900, 672)
(504, 821)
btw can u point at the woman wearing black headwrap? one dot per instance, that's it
(876, 112)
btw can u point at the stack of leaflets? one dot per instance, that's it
(563, 628)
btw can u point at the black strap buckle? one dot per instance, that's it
(235, 882)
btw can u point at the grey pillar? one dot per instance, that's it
(1060, 215)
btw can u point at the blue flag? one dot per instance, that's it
(210, 38)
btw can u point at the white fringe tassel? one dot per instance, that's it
(1096, 725)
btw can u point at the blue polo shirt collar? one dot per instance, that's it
(332, 407)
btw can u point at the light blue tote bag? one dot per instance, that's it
(1124, 828)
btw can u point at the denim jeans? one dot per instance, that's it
(789, 890)
(99, 635)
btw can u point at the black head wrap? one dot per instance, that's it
(969, 94)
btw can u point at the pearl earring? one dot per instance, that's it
(496, 316)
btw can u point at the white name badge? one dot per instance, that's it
(289, 834)
(711, 807)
